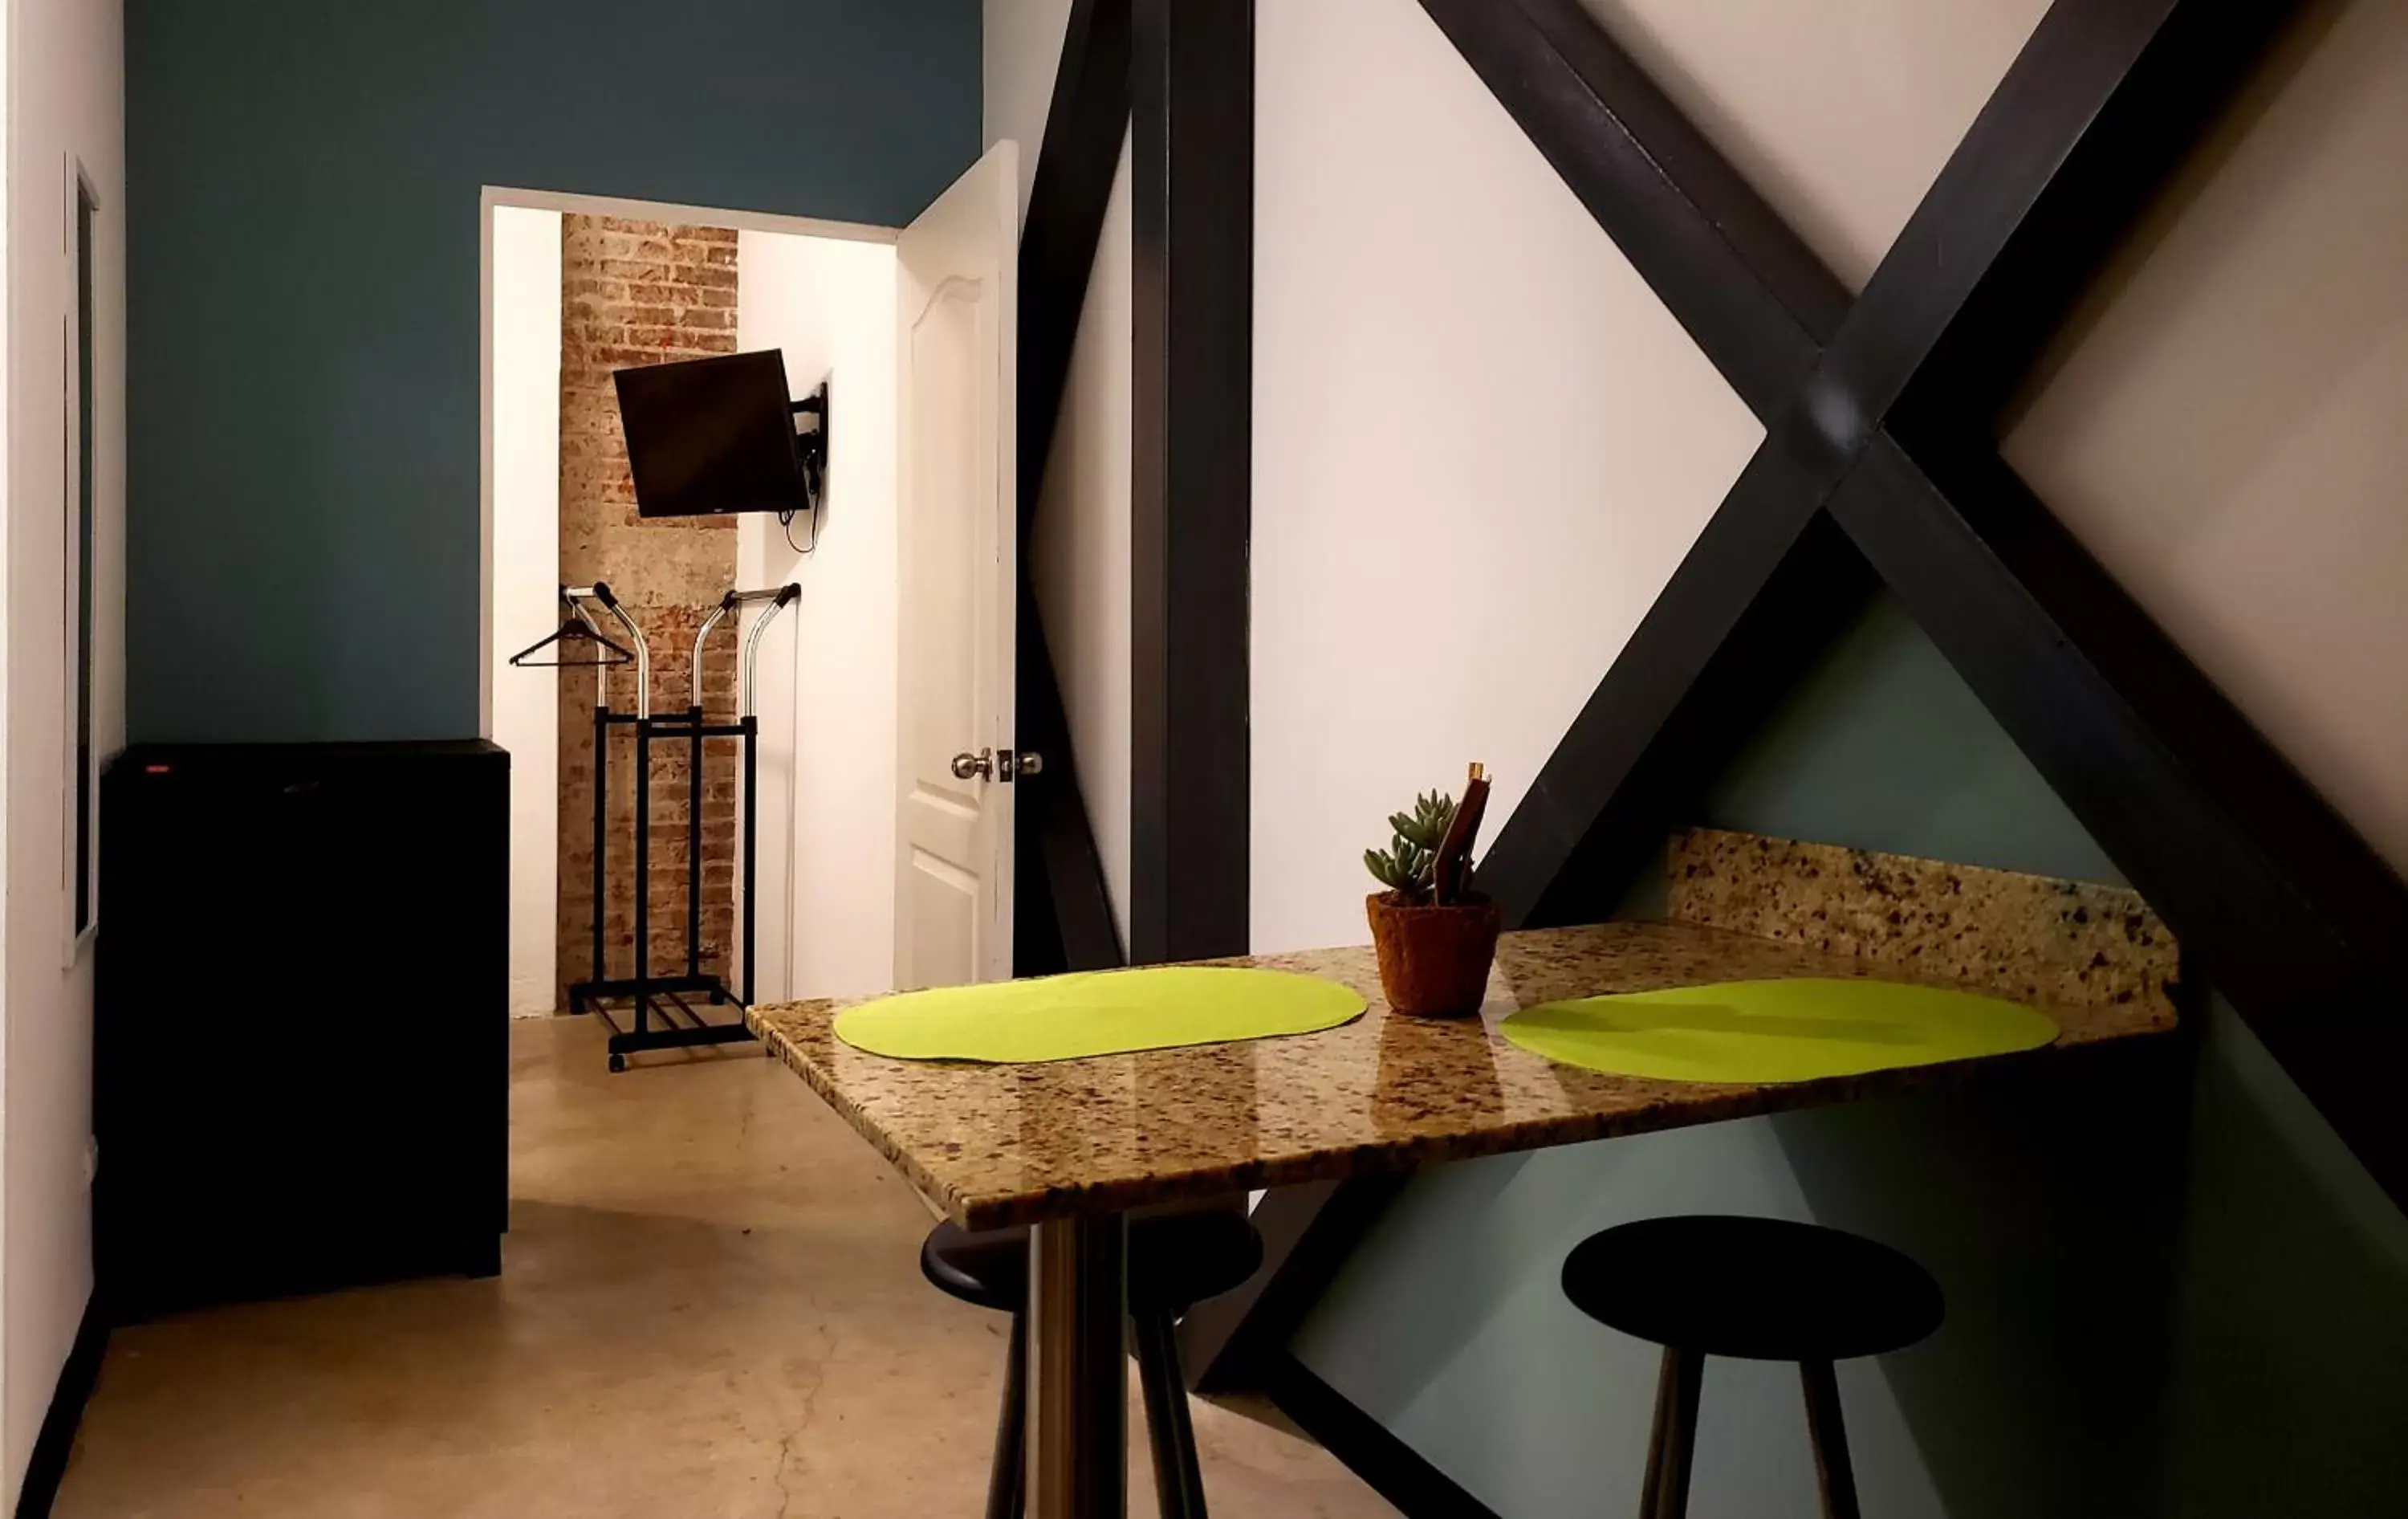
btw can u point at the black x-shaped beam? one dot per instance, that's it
(1879, 464)
(1063, 917)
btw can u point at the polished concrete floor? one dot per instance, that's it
(710, 1305)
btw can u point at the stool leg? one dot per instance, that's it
(1007, 1486)
(1651, 1491)
(1675, 1439)
(1178, 1484)
(1833, 1470)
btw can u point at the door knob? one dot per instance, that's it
(997, 765)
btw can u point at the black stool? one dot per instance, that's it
(1760, 1289)
(1175, 1261)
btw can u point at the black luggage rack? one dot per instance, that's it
(656, 1010)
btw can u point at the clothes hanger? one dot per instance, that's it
(574, 630)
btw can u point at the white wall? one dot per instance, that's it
(826, 911)
(65, 87)
(1456, 375)
(1023, 44)
(1838, 115)
(1079, 549)
(1587, 440)
(2220, 426)
(524, 296)
(1460, 385)
(1543, 432)
(2224, 427)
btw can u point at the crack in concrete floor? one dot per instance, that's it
(707, 1273)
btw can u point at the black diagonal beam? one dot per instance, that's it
(1364, 1446)
(2211, 824)
(1687, 688)
(1747, 289)
(2289, 912)
(2287, 908)
(1084, 127)
(1233, 1341)
(1192, 176)
(1062, 913)
(2038, 188)
(1061, 918)
(2255, 872)
(2154, 76)
(1763, 308)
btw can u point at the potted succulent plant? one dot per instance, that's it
(1436, 938)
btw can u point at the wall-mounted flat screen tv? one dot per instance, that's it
(711, 435)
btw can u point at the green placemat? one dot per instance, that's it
(1756, 1032)
(1096, 1012)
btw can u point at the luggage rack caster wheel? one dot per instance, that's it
(618, 1063)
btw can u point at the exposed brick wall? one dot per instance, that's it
(638, 293)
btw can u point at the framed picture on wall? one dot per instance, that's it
(80, 799)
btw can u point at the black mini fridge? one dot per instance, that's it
(301, 1060)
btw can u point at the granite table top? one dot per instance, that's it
(999, 1145)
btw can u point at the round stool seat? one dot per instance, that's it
(1761, 1289)
(988, 1267)
(1174, 1260)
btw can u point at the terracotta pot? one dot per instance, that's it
(1433, 960)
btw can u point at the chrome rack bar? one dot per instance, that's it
(701, 636)
(575, 597)
(747, 727)
(779, 600)
(778, 597)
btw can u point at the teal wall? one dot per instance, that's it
(2171, 1292)
(302, 220)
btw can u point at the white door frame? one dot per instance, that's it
(555, 200)
(492, 198)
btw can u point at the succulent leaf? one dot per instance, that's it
(1426, 824)
(1410, 862)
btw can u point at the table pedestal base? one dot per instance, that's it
(1077, 1377)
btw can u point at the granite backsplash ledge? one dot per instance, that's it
(2073, 943)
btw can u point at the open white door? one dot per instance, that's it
(956, 306)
